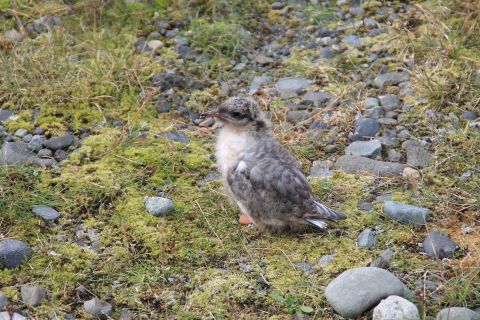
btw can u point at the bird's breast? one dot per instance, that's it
(231, 146)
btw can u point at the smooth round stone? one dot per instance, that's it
(46, 213)
(6, 316)
(458, 313)
(61, 142)
(13, 253)
(356, 290)
(33, 296)
(370, 102)
(45, 153)
(405, 213)
(396, 308)
(158, 206)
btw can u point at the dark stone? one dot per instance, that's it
(365, 128)
(60, 155)
(17, 154)
(391, 78)
(61, 142)
(439, 246)
(470, 115)
(177, 137)
(359, 165)
(167, 80)
(13, 253)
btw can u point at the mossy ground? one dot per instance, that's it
(188, 265)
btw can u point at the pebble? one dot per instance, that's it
(325, 260)
(411, 173)
(297, 116)
(390, 78)
(21, 133)
(13, 253)
(3, 301)
(127, 314)
(389, 101)
(367, 239)
(211, 176)
(383, 260)
(27, 138)
(13, 36)
(371, 102)
(318, 98)
(395, 308)
(405, 213)
(277, 5)
(426, 284)
(17, 154)
(158, 206)
(470, 115)
(394, 156)
(326, 53)
(162, 106)
(61, 142)
(5, 115)
(356, 290)
(321, 169)
(353, 41)
(458, 313)
(60, 155)
(15, 316)
(36, 143)
(33, 296)
(360, 165)
(417, 156)
(404, 134)
(374, 113)
(98, 308)
(258, 82)
(317, 125)
(304, 266)
(168, 80)
(46, 213)
(155, 44)
(290, 87)
(365, 128)
(369, 149)
(439, 246)
(177, 137)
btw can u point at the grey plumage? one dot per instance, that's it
(261, 176)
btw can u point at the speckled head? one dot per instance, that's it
(240, 111)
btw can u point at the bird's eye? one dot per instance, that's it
(236, 114)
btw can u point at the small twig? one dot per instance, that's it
(209, 225)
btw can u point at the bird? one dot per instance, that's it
(261, 176)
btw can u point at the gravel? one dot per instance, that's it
(325, 260)
(17, 154)
(290, 87)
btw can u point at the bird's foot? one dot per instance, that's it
(245, 220)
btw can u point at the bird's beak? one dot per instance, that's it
(212, 114)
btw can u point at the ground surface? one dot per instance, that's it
(97, 74)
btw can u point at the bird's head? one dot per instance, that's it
(240, 112)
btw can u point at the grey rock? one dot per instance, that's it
(367, 239)
(369, 149)
(374, 113)
(389, 101)
(177, 137)
(356, 11)
(383, 260)
(13, 253)
(304, 266)
(371, 102)
(98, 308)
(370, 23)
(290, 87)
(365, 128)
(46, 213)
(394, 156)
(355, 291)
(326, 53)
(158, 206)
(364, 205)
(428, 285)
(470, 115)
(353, 41)
(325, 260)
(458, 313)
(27, 138)
(258, 82)
(395, 308)
(167, 80)
(13, 36)
(61, 142)
(387, 121)
(439, 246)
(17, 154)
(46, 162)
(211, 176)
(321, 169)
(263, 59)
(277, 5)
(389, 139)
(384, 197)
(404, 134)
(317, 125)
(390, 78)
(318, 98)
(358, 165)
(297, 116)
(33, 296)
(5, 115)
(417, 156)
(391, 114)
(127, 314)
(21, 133)
(405, 213)
(3, 301)
(407, 90)
(36, 143)
(60, 155)
(6, 316)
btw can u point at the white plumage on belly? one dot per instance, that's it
(231, 146)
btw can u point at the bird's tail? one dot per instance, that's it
(328, 213)
(320, 224)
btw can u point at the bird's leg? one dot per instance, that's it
(245, 220)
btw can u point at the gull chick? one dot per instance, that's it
(261, 176)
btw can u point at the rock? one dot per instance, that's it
(13, 36)
(367, 239)
(13, 253)
(98, 308)
(61, 142)
(404, 134)
(290, 87)
(21, 133)
(167, 80)
(405, 213)
(370, 23)
(389, 101)
(15, 316)
(470, 115)
(356, 290)
(258, 82)
(277, 5)
(369, 149)
(304, 266)
(358, 165)
(325, 260)
(370, 102)
(46, 213)
(374, 113)
(364, 205)
(458, 313)
(395, 308)
(27, 138)
(321, 169)
(17, 154)
(331, 148)
(356, 11)
(394, 156)
(177, 137)
(383, 260)
(353, 41)
(411, 173)
(439, 246)
(211, 176)
(127, 314)
(297, 116)
(155, 44)
(365, 128)
(387, 121)
(45, 153)
(263, 59)
(390, 78)
(162, 106)
(158, 206)
(318, 98)
(417, 156)
(422, 284)
(326, 53)
(3, 301)
(36, 143)
(317, 125)
(33, 296)
(60, 155)
(6, 115)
